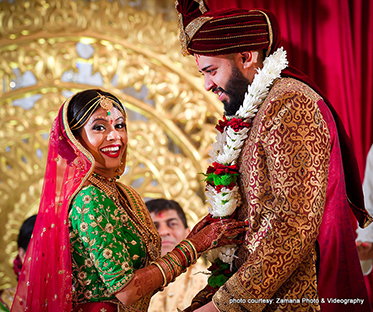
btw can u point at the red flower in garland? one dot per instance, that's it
(213, 267)
(220, 176)
(210, 169)
(221, 124)
(221, 169)
(236, 124)
(218, 188)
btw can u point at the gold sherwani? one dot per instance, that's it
(283, 181)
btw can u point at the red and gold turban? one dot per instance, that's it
(225, 31)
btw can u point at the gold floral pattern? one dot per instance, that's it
(83, 227)
(109, 228)
(125, 265)
(88, 294)
(88, 262)
(86, 199)
(82, 276)
(107, 253)
(284, 170)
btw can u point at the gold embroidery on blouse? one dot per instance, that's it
(124, 199)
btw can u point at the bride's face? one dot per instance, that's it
(105, 137)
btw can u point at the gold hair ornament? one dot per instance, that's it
(106, 103)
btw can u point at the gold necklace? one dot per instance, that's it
(151, 238)
(115, 193)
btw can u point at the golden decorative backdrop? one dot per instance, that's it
(51, 49)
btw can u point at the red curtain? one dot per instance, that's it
(332, 42)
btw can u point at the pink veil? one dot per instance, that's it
(46, 279)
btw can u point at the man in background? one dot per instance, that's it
(171, 223)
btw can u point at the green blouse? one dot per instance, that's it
(106, 248)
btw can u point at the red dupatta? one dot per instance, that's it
(45, 283)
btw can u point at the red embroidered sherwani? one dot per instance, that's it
(293, 190)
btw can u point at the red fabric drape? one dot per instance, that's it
(332, 42)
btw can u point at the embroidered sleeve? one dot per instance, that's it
(101, 228)
(286, 196)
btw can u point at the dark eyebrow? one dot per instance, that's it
(205, 68)
(103, 119)
(97, 119)
(172, 219)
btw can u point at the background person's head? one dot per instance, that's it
(24, 236)
(170, 221)
(23, 240)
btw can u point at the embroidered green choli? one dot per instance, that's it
(106, 248)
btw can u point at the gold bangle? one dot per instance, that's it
(191, 249)
(194, 249)
(175, 259)
(188, 250)
(168, 267)
(162, 272)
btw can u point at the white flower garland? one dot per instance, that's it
(227, 148)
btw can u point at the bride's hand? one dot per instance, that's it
(206, 236)
(199, 226)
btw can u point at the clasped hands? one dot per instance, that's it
(206, 235)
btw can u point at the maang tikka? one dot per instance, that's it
(106, 103)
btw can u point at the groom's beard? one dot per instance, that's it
(235, 90)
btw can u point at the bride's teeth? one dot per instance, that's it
(110, 149)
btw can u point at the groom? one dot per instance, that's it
(296, 170)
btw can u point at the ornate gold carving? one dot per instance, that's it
(130, 53)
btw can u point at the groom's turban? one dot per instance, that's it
(226, 31)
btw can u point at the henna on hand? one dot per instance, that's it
(199, 226)
(137, 284)
(217, 234)
(144, 281)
